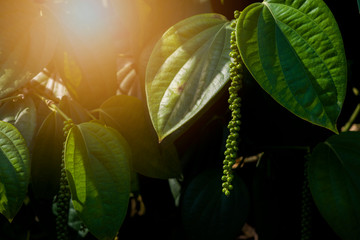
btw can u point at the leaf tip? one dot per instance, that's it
(334, 129)
(7, 215)
(160, 139)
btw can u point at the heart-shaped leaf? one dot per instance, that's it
(150, 158)
(21, 114)
(27, 43)
(334, 180)
(14, 170)
(47, 149)
(295, 52)
(96, 162)
(187, 68)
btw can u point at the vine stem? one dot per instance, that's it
(348, 125)
(90, 115)
(19, 96)
(52, 106)
(99, 110)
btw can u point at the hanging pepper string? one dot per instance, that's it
(63, 196)
(232, 142)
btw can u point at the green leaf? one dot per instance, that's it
(295, 52)
(150, 158)
(208, 214)
(47, 149)
(27, 43)
(187, 69)
(96, 162)
(76, 223)
(334, 180)
(14, 170)
(21, 114)
(46, 157)
(74, 110)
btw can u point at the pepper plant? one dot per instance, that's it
(68, 132)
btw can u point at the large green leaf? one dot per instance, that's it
(14, 170)
(186, 70)
(27, 43)
(21, 114)
(334, 179)
(150, 158)
(46, 157)
(295, 52)
(74, 110)
(96, 162)
(47, 148)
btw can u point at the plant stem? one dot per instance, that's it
(90, 115)
(99, 110)
(19, 96)
(352, 119)
(52, 106)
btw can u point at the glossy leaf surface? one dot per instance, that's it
(97, 166)
(21, 114)
(186, 70)
(14, 170)
(295, 52)
(27, 43)
(334, 180)
(126, 114)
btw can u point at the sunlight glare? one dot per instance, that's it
(86, 17)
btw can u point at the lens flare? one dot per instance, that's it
(84, 17)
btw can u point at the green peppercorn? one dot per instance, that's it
(232, 142)
(63, 196)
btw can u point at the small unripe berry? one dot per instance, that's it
(227, 193)
(232, 142)
(63, 195)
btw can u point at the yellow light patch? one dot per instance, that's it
(72, 73)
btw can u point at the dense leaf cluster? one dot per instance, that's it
(57, 63)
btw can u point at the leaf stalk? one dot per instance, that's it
(353, 116)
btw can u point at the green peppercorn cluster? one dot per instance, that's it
(232, 142)
(63, 196)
